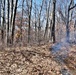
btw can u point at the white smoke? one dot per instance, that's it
(63, 47)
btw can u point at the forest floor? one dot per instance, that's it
(38, 60)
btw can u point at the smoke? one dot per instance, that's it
(62, 48)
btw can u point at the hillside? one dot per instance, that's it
(35, 60)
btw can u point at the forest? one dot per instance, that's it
(37, 37)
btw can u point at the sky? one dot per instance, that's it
(75, 1)
(39, 1)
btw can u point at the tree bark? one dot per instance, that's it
(22, 18)
(29, 27)
(67, 24)
(39, 26)
(2, 31)
(35, 22)
(13, 27)
(8, 23)
(53, 22)
(0, 12)
(47, 22)
(75, 31)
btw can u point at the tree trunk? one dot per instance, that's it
(22, 18)
(53, 22)
(47, 22)
(35, 22)
(39, 27)
(0, 13)
(2, 31)
(13, 27)
(67, 24)
(29, 28)
(8, 24)
(75, 31)
(11, 17)
(67, 28)
(39, 32)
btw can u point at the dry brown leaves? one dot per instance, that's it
(28, 61)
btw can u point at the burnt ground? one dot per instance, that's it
(35, 60)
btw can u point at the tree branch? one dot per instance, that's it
(72, 7)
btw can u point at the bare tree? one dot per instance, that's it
(29, 6)
(0, 12)
(39, 24)
(35, 20)
(8, 22)
(53, 22)
(31, 17)
(13, 26)
(75, 31)
(11, 17)
(66, 15)
(22, 18)
(67, 24)
(3, 22)
(47, 21)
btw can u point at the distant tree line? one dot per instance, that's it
(33, 22)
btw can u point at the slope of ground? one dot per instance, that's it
(70, 61)
(65, 53)
(31, 61)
